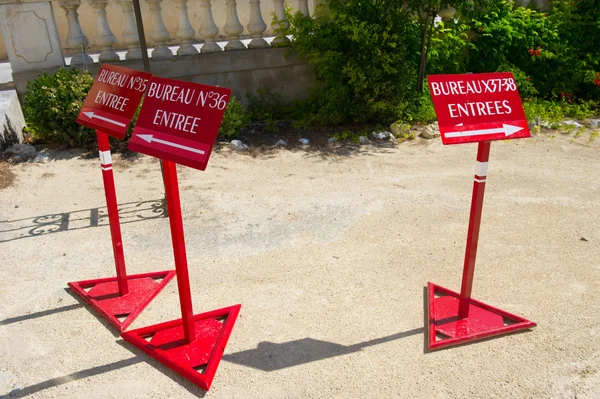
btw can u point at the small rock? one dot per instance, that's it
(398, 128)
(281, 143)
(583, 239)
(42, 157)
(16, 206)
(594, 123)
(16, 390)
(363, 140)
(24, 150)
(331, 140)
(430, 131)
(382, 135)
(304, 141)
(238, 145)
(572, 123)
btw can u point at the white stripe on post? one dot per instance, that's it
(481, 168)
(105, 157)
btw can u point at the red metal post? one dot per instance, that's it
(483, 154)
(113, 211)
(183, 278)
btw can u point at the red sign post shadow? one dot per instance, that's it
(473, 108)
(109, 108)
(178, 123)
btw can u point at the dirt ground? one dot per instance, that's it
(328, 252)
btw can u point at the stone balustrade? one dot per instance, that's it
(172, 27)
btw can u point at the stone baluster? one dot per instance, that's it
(104, 36)
(76, 40)
(233, 28)
(280, 25)
(208, 29)
(130, 33)
(256, 26)
(321, 8)
(160, 34)
(303, 7)
(185, 33)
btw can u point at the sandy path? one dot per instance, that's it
(328, 256)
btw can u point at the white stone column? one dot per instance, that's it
(130, 33)
(76, 40)
(303, 7)
(233, 28)
(256, 26)
(160, 34)
(208, 29)
(185, 33)
(280, 25)
(104, 36)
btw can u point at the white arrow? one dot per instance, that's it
(149, 138)
(91, 115)
(506, 129)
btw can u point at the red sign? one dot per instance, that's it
(478, 107)
(113, 99)
(179, 121)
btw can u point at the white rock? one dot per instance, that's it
(430, 131)
(572, 123)
(42, 157)
(16, 390)
(23, 150)
(382, 135)
(594, 122)
(363, 140)
(281, 143)
(331, 140)
(304, 141)
(238, 145)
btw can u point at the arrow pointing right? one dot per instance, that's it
(508, 130)
(150, 138)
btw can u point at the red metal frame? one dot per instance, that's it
(197, 360)
(103, 295)
(193, 345)
(458, 317)
(120, 296)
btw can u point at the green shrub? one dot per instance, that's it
(364, 53)
(234, 119)
(556, 111)
(52, 104)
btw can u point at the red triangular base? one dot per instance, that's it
(103, 295)
(196, 361)
(484, 321)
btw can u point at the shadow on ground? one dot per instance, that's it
(269, 356)
(129, 212)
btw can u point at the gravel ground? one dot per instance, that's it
(328, 252)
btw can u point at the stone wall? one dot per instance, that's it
(242, 71)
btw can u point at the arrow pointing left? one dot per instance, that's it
(150, 138)
(91, 115)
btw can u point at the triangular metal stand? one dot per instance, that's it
(120, 311)
(445, 328)
(198, 360)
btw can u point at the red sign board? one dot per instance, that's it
(179, 121)
(113, 99)
(478, 107)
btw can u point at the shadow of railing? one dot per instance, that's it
(269, 356)
(130, 212)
